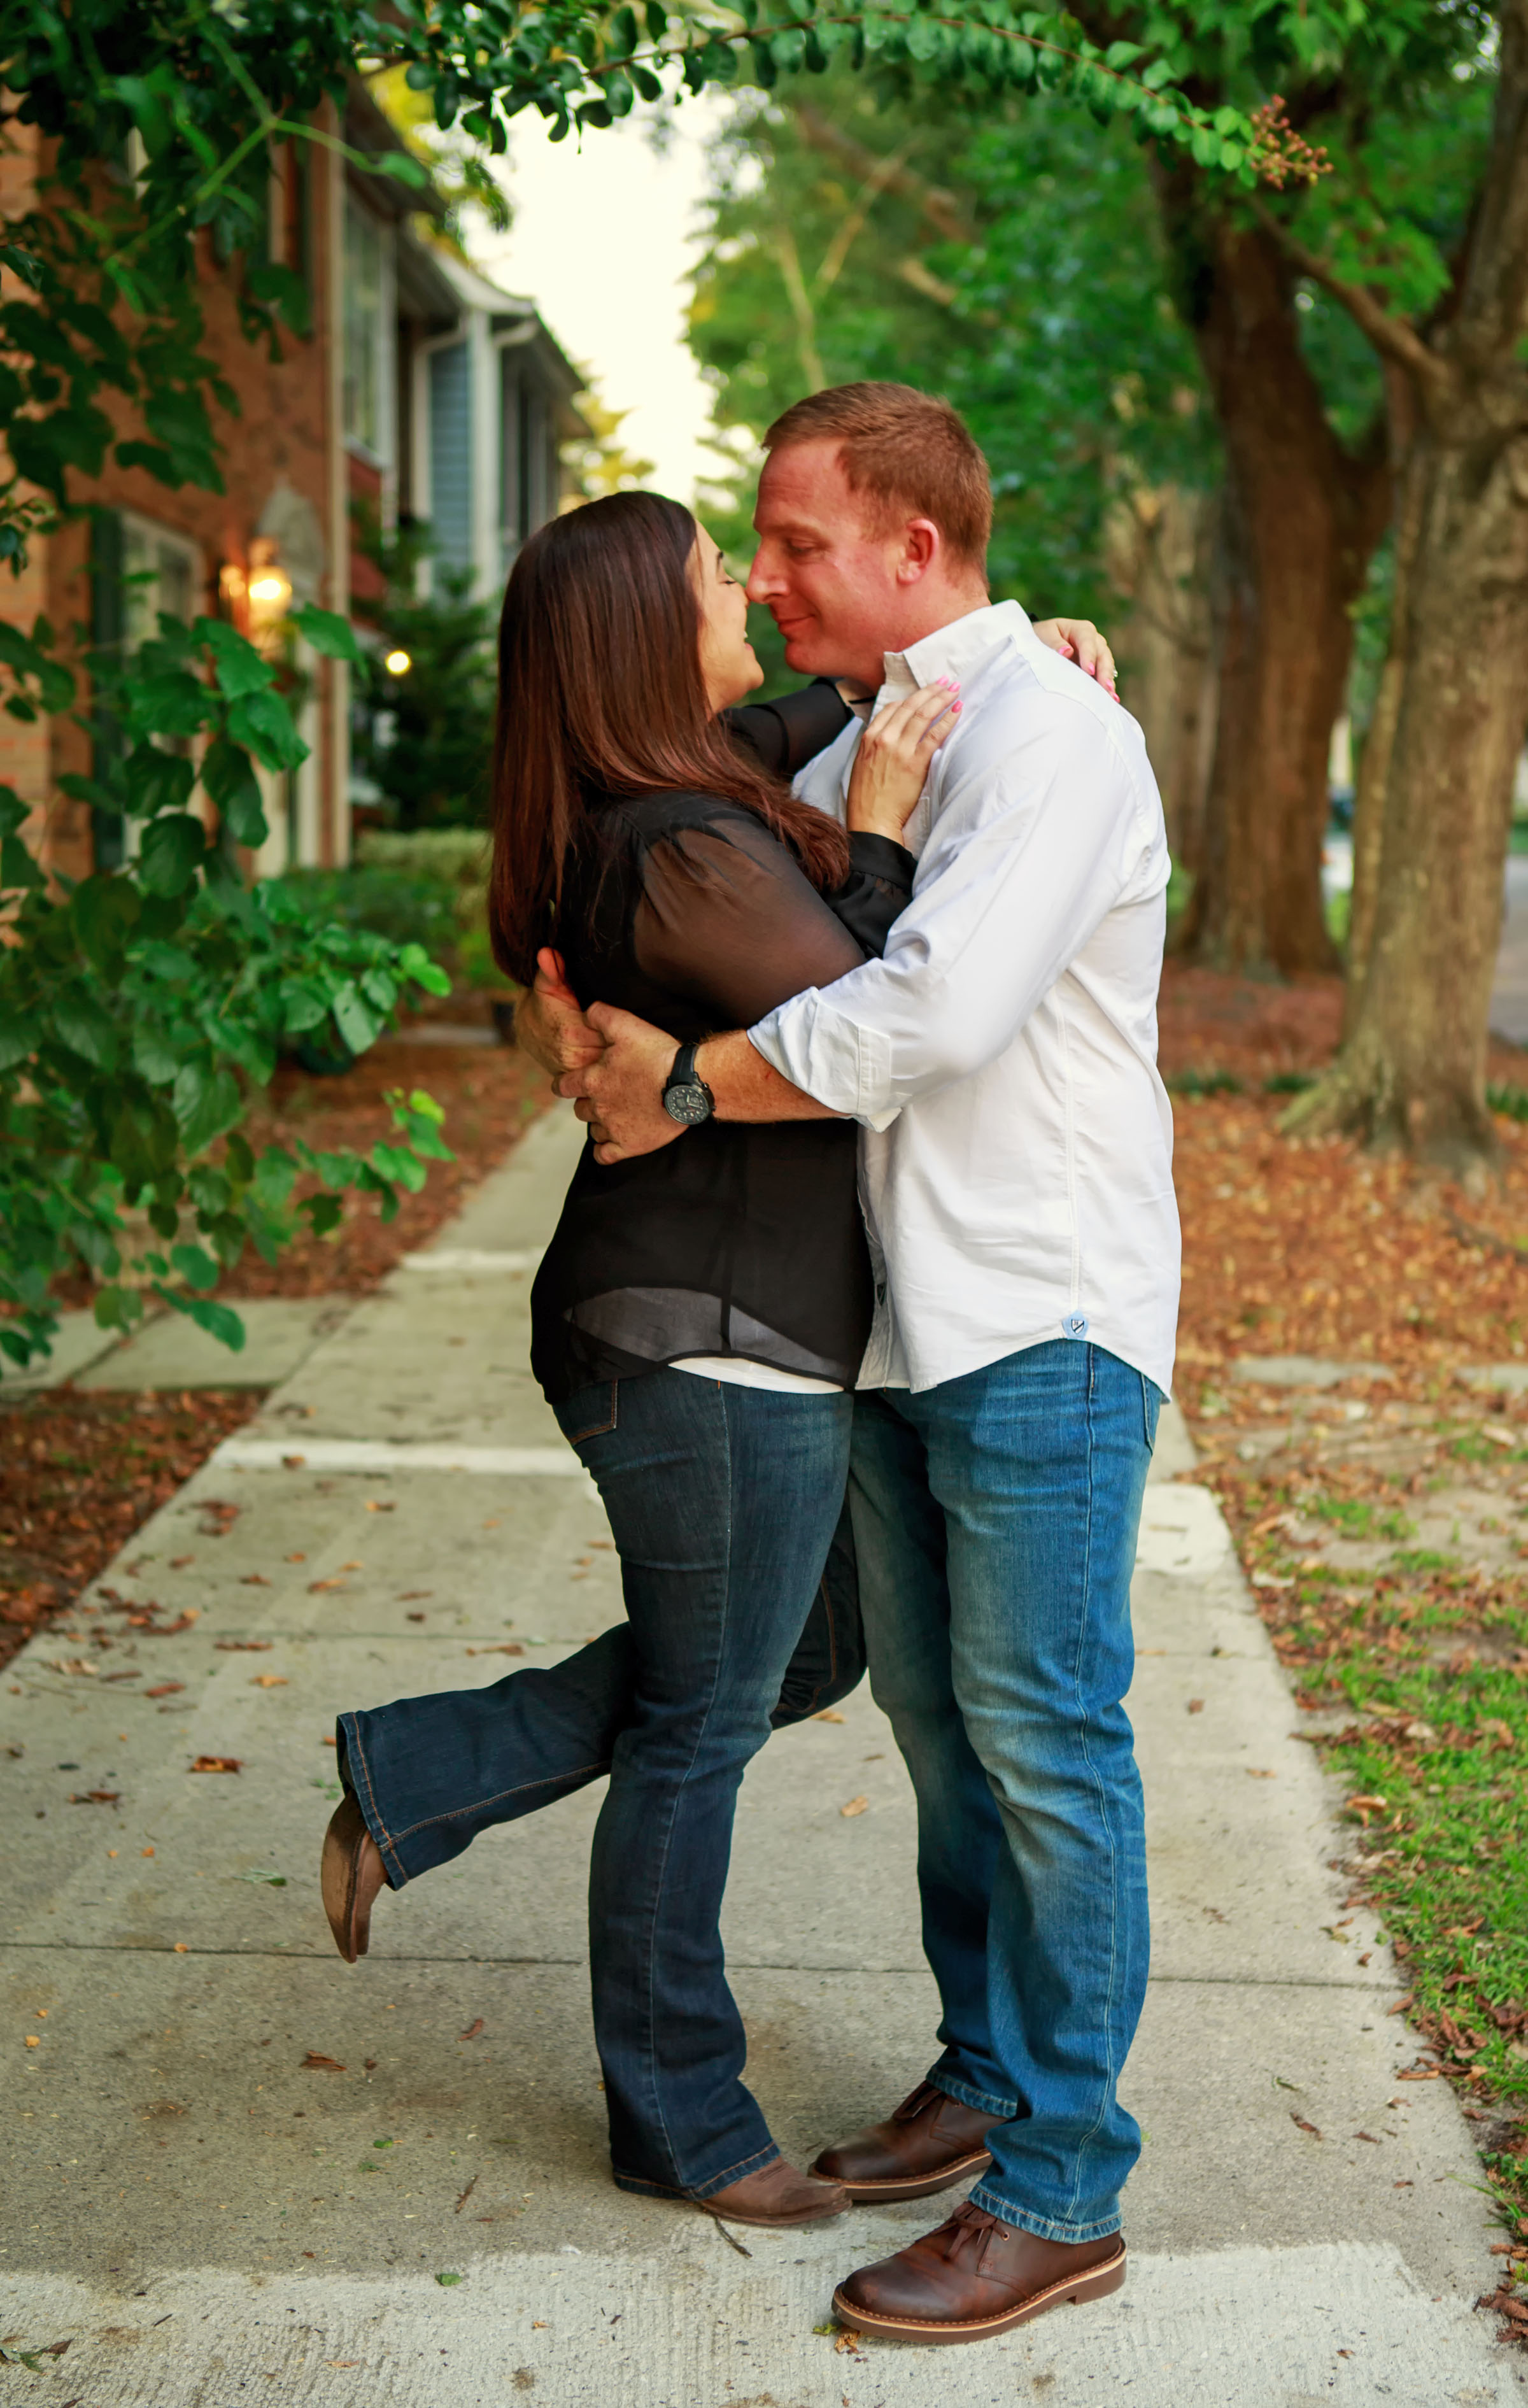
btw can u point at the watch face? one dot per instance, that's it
(688, 1103)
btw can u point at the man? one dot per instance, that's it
(1018, 1191)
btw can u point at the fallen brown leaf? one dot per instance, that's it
(165, 1689)
(473, 2029)
(315, 2062)
(855, 1806)
(244, 1646)
(1299, 2120)
(378, 1505)
(96, 1798)
(406, 1595)
(268, 1681)
(828, 1714)
(179, 1563)
(510, 1648)
(1255, 1772)
(333, 1581)
(1196, 1705)
(217, 1764)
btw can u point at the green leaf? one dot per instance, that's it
(219, 1319)
(157, 781)
(447, 2280)
(231, 781)
(206, 1103)
(356, 1020)
(263, 722)
(172, 704)
(17, 866)
(154, 1057)
(196, 1266)
(402, 168)
(395, 1162)
(328, 633)
(104, 911)
(80, 1023)
(20, 1037)
(236, 663)
(172, 853)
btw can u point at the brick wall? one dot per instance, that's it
(282, 434)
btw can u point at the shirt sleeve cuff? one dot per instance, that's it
(845, 1067)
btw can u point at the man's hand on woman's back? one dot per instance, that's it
(550, 1023)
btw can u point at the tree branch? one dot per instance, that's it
(941, 209)
(1394, 339)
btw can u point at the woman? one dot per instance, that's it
(698, 1319)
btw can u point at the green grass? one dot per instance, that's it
(1205, 1083)
(1356, 1517)
(1433, 1670)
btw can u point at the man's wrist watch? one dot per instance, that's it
(687, 1098)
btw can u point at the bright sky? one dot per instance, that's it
(600, 241)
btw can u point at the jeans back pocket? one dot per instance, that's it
(588, 1412)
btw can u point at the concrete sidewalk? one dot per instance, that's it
(234, 2165)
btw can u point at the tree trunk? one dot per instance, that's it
(1160, 544)
(1412, 1070)
(1302, 518)
(1379, 751)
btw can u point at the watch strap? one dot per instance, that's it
(684, 1074)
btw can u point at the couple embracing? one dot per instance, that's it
(859, 1312)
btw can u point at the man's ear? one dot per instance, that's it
(922, 544)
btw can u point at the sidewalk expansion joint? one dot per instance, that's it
(739, 1964)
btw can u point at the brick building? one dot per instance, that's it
(420, 387)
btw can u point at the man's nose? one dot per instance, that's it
(762, 580)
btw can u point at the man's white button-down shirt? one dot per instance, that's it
(1017, 1162)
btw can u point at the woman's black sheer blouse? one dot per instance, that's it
(734, 1239)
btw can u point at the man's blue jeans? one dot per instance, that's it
(723, 1502)
(995, 1519)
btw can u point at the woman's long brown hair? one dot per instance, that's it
(601, 694)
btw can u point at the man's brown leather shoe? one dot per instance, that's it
(975, 2277)
(351, 1876)
(930, 2142)
(776, 2198)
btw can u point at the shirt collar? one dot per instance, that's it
(951, 649)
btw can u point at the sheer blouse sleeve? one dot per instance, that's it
(793, 729)
(727, 919)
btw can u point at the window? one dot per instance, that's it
(368, 332)
(527, 493)
(450, 454)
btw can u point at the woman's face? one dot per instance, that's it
(727, 661)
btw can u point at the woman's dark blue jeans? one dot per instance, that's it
(726, 1505)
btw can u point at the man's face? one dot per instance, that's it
(832, 584)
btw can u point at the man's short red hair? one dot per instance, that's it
(910, 453)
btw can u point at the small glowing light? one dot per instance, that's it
(269, 587)
(397, 664)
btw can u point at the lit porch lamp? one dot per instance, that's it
(269, 590)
